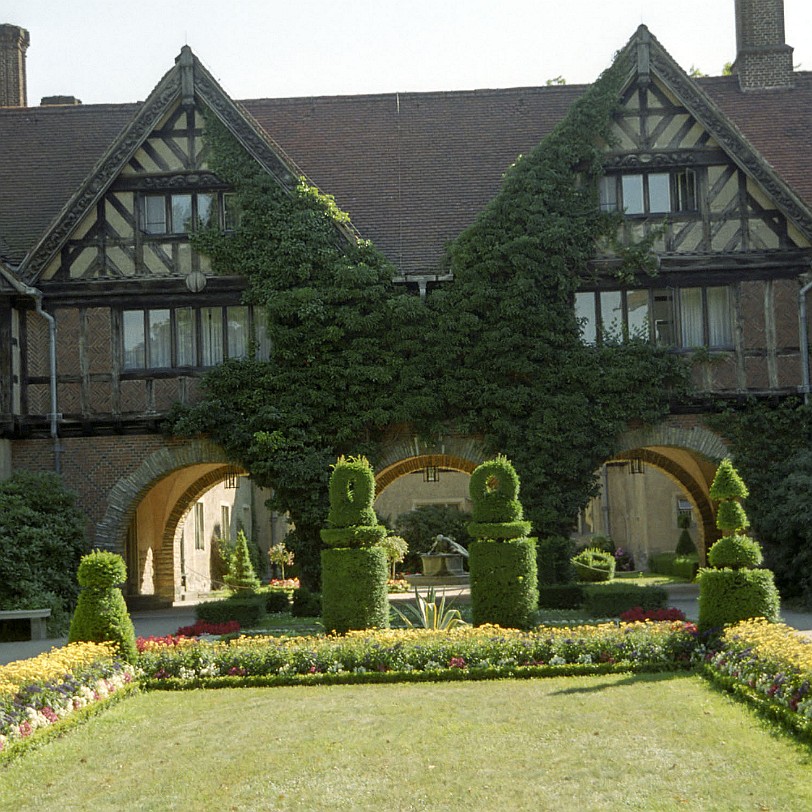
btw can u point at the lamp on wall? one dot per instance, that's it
(636, 466)
(431, 473)
(232, 473)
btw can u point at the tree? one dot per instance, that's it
(280, 557)
(241, 576)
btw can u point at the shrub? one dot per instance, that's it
(352, 493)
(685, 544)
(686, 567)
(423, 524)
(561, 596)
(42, 541)
(101, 614)
(593, 564)
(281, 557)
(735, 552)
(504, 586)
(728, 596)
(354, 588)
(662, 563)
(553, 559)
(305, 603)
(610, 600)
(277, 600)
(241, 576)
(248, 609)
(494, 489)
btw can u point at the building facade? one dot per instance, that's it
(108, 315)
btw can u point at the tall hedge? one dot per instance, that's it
(502, 561)
(355, 567)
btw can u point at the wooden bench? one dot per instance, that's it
(37, 617)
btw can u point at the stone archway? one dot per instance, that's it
(688, 454)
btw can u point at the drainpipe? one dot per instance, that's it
(804, 340)
(36, 295)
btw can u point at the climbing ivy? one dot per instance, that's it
(497, 352)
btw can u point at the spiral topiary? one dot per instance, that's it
(502, 561)
(594, 565)
(101, 614)
(355, 569)
(729, 592)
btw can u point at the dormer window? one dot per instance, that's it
(649, 192)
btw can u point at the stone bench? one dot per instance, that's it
(37, 617)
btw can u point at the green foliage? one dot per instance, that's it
(42, 540)
(396, 548)
(281, 557)
(354, 593)
(420, 527)
(277, 600)
(553, 556)
(241, 576)
(728, 596)
(427, 613)
(561, 596)
(735, 552)
(247, 608)
(680, 566)
(361, 536)
(727, 484)
(685, 544)
(594, 564)
(305, 603)
(611, 600)
(730, 517)
(494, 490)
(352, 493)
(101, 614)
(504, 582)
(498, 531)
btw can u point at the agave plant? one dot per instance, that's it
(429, 614)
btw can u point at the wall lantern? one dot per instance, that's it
(636, 466)
(232, 475)
(431, 473)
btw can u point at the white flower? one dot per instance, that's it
(557, 660)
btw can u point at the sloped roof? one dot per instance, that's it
(412, 169)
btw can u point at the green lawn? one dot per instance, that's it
(650, 742)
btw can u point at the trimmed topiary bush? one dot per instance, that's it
(241, 576)
(611, 600)
(355, 567)
(305, 603)
(593, 564)
(502, 562)
(247, 608)
(733, 590)
(685, 543)
(503, 582)
(354, 596)
(561, 596)
(727, 596)
(101, 614)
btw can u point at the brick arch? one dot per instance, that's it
(125, 495)
(678, 431)
(386, 477)
(695, 483)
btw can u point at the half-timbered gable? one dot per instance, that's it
(730, 236)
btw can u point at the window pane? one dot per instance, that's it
(607, 191)
(637, 309)
(211, 324)
(720, 318)
(633, 194)
(685, 188)
(155, 214)
(662, 317)
(261, 337)
(659, 192)
(237, 332)
(160, 340)
(611, 316)
(132, 322)
(690, 314)
(186, 337)
(231, 212)
(205, 210)
(585, 313)
(181, 213)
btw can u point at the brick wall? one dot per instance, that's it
(763, 59)
(13, 45)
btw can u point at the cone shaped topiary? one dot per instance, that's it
(727, 484)
(101, 614)
(241, 576)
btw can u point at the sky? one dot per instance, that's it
(117, 50)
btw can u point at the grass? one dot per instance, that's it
(649, 742)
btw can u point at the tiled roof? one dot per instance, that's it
(412, 169)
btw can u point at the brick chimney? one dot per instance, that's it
(13, 45)
(763, 59)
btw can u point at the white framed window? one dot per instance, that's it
(640, 193)
(200, 526)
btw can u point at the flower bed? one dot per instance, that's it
(37, 693)
(415, 654)
(637, 614)
(768, 665)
